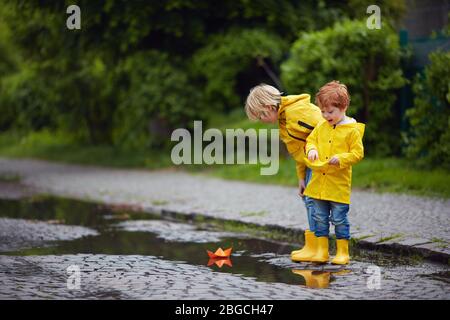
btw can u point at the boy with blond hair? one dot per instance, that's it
(332, 148)
(296, 117)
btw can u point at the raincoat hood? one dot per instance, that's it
(293, 99)
(297, 117)
(357, 125)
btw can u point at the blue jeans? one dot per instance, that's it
(334, 212)
(309, 202)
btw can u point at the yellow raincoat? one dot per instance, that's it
(333, 182)
(297, 117)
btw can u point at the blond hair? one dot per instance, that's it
(260, 96)
(333, 94)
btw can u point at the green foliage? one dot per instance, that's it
(59, 146)
(26, 100)
(158, 98)
(367, 61)
(38, 97)
(135, 71)
(60, 84)
(429, 136)
(227, 56)
(83, 81)
(7, 59)
(8, 64)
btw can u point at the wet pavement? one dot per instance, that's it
(53, 248)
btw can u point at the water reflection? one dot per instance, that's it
(114, 239)
(219, 262)
(318, 279)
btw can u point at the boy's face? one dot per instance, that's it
(332, 114)
(269, 115)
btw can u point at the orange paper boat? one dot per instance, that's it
(219, 253)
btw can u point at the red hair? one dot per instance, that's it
(333, 94)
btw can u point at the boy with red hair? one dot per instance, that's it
(332, 148)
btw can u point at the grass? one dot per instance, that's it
(9, 177)
(394, 236)
(56, 147)
(399, 175)
(160, 202)
(440, 242)
(381, 175)
(363, 237)
(253, 214)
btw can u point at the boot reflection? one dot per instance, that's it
(314, 279)
(341, 272)
(318, 279)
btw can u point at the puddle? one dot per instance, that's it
(126, 232)
(150, 237)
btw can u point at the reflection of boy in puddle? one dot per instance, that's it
(318, 279)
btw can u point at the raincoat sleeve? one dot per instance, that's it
(355, 154)
(311, 141)
(301, 169)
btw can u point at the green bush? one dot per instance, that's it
(158, 97)
(7, 59)
(27, 101)
(226, 57)
(90, 90)
(367, 61)
(429, 135)
(8, 64)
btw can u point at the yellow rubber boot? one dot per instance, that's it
(308, 250)
(322, 251)
(342, 256)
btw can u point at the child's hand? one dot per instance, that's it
(301, 187)
(334, 161)
(313, 155)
